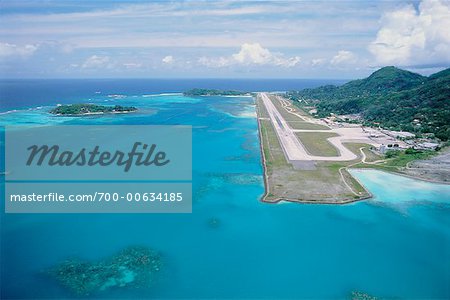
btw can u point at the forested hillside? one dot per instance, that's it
(395, 98)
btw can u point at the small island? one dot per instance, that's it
(90, 109)
(213, 92)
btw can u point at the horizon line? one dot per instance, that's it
(172, 78)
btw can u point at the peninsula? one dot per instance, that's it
(90, 109)
(307, 150)
(305, 160)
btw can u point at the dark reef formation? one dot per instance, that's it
(131, 267)
(358, 295)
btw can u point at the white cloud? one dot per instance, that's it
(343, 57)
(414, 37)
(213, 24)
(251, 54)
(215, 62)
(95, 62)
(256, 54)
(317, 62)
(15, 50)
(168, 59)
(132, 65)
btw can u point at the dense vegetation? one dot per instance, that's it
(82, 109)
(394, 98)
(209, 92)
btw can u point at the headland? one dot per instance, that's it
(306, 159)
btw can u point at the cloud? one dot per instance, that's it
(168, 59)
(410, 37)
(343, 57)
(96, 62)
(200, 36)
(182, 24)
(132, 65)
(255, 54)
(317, 62)
(7, 50)
(219, 62)
(251, 54)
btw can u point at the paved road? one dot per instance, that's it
(292, 148)
(291, 145)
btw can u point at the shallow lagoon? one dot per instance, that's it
(395, 245)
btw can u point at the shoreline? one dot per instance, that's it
(263, 158)
(227, 96)
(348, 200)
(93, 114)
(279, 199)
(406, 175)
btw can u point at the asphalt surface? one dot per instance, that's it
(294, 149)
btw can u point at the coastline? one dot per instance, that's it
(261, 150)
(226, 209)
(226, 96)
(272, 196)
(267, 190)
(94, 114)
(278, 178)
(405, 175)
(325, 202)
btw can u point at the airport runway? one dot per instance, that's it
(291, 145)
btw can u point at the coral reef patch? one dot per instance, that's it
(131, 267)
(358, 295)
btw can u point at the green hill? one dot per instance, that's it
(395, 98)
(387, 79)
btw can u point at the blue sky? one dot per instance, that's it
(252, 39)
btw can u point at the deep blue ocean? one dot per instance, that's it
(22, 93)
(396, 245)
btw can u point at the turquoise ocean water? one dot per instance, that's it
(396, 245)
